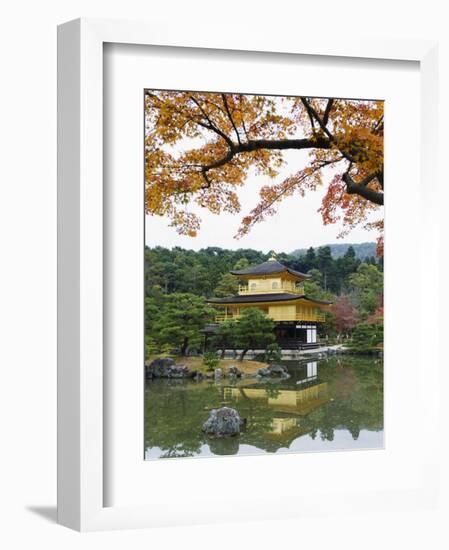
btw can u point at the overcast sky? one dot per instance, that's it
(296, 225)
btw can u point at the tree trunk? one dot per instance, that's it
(184, 346)
(242, 355)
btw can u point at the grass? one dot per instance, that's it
(196, 364)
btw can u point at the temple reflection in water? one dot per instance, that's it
(334, 403)
(307, 396)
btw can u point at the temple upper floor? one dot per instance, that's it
(272, 285)
(270, 277)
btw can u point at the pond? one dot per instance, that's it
(331, 404)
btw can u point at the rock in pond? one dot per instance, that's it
(218, 374)
(165, 367)
(234, 372)
(223, 422)
(273, 371)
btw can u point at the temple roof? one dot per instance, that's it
(268, 268)
(257, 298)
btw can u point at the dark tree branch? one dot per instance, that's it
(317, 117)
(327, 111)
(211, 125)
(312, 120)
(362, 189)
(272, 145)
(244, 128)
(323, 126)
(379, 126)
(326, 141)
(380, 177)
(225, 102)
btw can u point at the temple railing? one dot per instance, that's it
(317, 317)
(267, 288)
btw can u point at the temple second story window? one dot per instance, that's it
(274, 285)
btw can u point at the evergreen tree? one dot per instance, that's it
(253, 330)
(310, 259)
(179, 321)
(227, 286)
(366, 338)
(367, 282)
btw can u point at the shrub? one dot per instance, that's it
(151, 348)
(273, 353)
(210, 360)
(366, 338)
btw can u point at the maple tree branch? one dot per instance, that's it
(312, 120)
(327, 111)
(244, 128)
(323, 124)
(271, 145)
(211, 125)
(379, 126)
(225, 102)
(286, 189)
(380, 177)
(361, 188)
(312, 113)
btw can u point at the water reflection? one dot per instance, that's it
(335, 403)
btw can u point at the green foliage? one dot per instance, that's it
(176, 320)
(206, 272)
(273, 353)
(227, 286)
(328, 329)
(313, 287)
(241, 264)
(361, 251)
(194, 272)
(366, 338)
(368, 284)
(151, 348)
(166, 348)
(253, 330)
(210, 360)
(224, 338)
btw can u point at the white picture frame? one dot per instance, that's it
(81, 406)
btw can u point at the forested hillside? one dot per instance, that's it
(362, 250)
(177, 282)
(200, 273)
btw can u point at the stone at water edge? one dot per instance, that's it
(164, 367)
(223, 422)
(158, 367)
(273, 371)
(218, 374)
(234, 372)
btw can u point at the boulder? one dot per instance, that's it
(218, 374)
(234, 372)
(263, 372)
(224, 446)
(179, 371)
(164, 367)
(273, 371)
(223, 422)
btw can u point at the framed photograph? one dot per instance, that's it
(241, 332)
